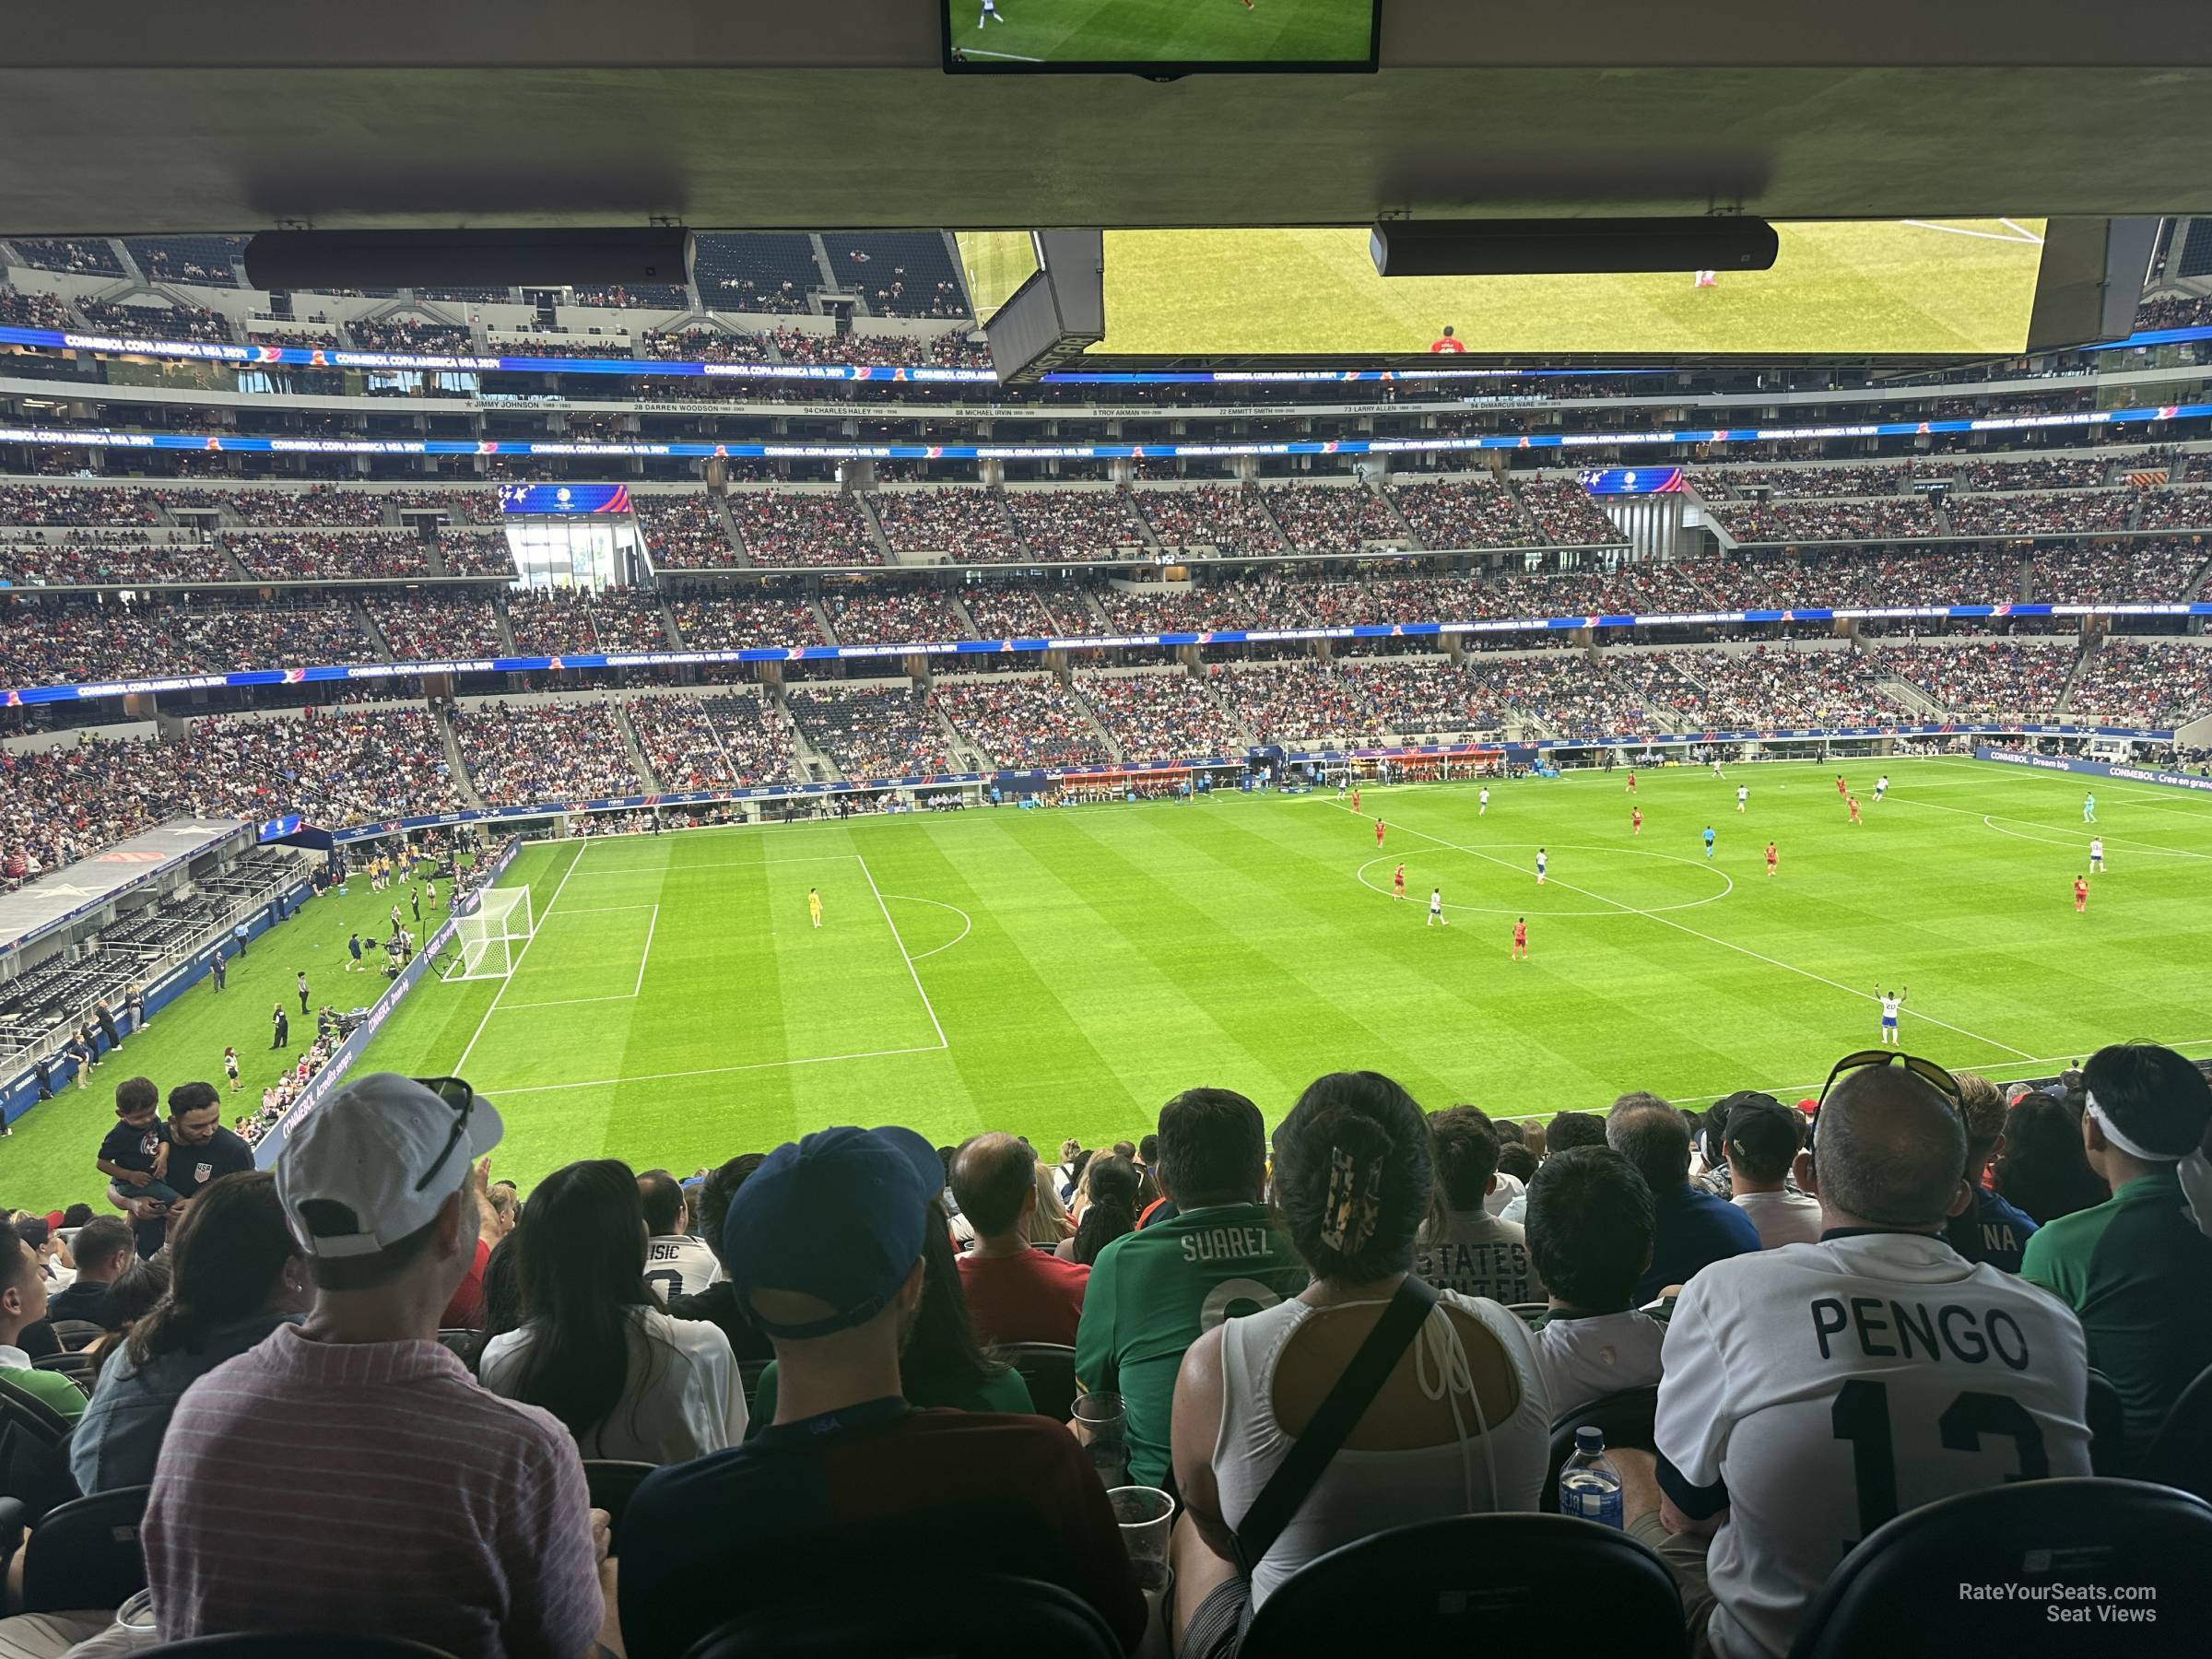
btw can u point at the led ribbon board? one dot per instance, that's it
(564, 499)
(1632, 480)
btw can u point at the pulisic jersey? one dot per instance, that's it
(1832, 1386)
(678, 1265)
(1890, 1008)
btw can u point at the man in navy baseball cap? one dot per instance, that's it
(824, 1244)
(827, 1233)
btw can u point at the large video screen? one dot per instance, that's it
(1914, 286)
(995, 264)
(1159, 37)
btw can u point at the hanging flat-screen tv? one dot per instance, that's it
(1160, 37)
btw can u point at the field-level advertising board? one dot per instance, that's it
(491, 934)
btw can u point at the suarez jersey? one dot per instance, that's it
(1819, 1390)
(1152, 1292)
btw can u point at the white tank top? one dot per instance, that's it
(1362, 1492)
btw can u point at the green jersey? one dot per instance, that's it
(1153, 1291)
(2138, 1272)
(57, 1391)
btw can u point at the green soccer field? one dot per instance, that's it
(1948, 286)
(1163, 32)
(1063, 971)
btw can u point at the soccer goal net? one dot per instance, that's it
(491, 934)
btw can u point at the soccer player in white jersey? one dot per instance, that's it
(1881, 786)
(1436, 908)
(1811, 1392)
(990, 13)
(1483, 801)
(1543, 858)
(1742, 795)
(1891, 1004)
(2096, 854)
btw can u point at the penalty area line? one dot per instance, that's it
(515, 966)
(715, 1071)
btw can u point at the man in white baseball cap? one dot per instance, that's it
(349, 1473)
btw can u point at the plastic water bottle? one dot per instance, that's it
(1589, 1484)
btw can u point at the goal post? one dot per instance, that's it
(491, 933)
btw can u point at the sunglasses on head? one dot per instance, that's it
(456, 1093)
(1927, 1071)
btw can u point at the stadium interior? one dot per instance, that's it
(385, 611)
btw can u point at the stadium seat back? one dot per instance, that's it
(748, 1375)
(2106, 1418)
(291, 1644)
(831, 1565)
(1478, 1583)
(935, 1616)
(73, 1333)
(2038, 1544)
(1048, 1368)
(611, 1481)
(1625, 1417)
(80, 1368)
(85, 1553)
(34, 1454)
(2182, 1453)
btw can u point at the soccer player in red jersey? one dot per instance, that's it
(1771, 869)
(1378, 832)
(1853, 801)
(1354, 798)
(1632, 783)
(1521, 939)
(1397, 882)
(1841, 788)
(2082, 895)
(1448, 342)
(1635, 821)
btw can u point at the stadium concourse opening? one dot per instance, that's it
(1648, 837)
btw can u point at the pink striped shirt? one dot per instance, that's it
(370, 1487)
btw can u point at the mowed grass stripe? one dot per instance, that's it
(988, 976)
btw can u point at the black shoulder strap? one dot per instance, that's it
(1337, 1415)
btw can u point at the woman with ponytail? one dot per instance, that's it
(235, 1276)
(1460, 1425)
(1112, 1210)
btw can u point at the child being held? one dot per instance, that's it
(135, 1154)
